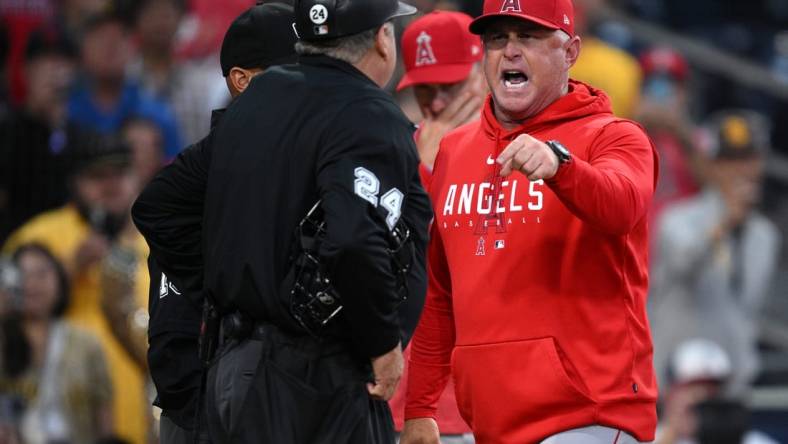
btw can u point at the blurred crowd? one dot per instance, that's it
(97, 95)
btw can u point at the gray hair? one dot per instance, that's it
(350, 49)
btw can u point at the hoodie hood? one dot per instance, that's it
(580, 101)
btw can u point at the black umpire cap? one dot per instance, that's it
(260, 37)
(328, 19)
(49, 40)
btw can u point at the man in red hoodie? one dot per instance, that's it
(538, 261)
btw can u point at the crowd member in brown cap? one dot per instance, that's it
(716, 253)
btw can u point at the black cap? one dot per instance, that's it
(260, 37)
(88, 150)
(49, 40)
(328, 19)
(738, 134)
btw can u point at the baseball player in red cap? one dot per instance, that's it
(538, 256)
(443, 66)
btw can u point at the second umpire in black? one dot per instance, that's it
(169, 214)
(320, 146)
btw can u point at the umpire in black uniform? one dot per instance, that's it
(324, 132)
(169, 214)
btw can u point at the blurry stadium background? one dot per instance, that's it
(111, 90)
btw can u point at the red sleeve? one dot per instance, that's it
(430, 359)
(612, 190)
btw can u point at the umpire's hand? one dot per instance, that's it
(387, 370)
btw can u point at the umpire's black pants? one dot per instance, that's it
(274, 388)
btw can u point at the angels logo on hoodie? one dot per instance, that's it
(493, 204)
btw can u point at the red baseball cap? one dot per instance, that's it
(553, 14)
(664, 60)
(438, 48)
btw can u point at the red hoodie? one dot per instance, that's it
(537, 291)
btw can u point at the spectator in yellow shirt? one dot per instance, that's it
(606, 67)
(104, 255)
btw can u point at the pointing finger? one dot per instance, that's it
(520, 142)
(509, 151)
(506, 169)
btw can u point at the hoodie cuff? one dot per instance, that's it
(564, 170)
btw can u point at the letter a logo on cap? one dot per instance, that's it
(424, 54)
(511, 6)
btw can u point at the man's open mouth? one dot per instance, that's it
(514, 79)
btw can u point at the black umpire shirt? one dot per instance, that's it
(319, 130)
(169, 214)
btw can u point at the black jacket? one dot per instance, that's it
(169, 213)
(317, 130)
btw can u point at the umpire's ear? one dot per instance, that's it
(381, 60)
(385, 42)
(238, 79)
